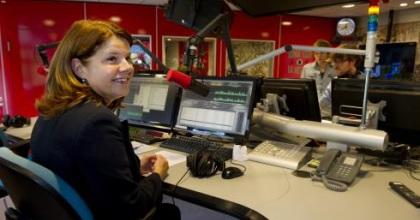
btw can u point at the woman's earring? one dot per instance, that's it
(84, 81)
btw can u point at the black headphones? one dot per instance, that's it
(17, 122)
(204, 163)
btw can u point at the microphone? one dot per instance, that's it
(42, 70)
(187, 82)
(182, 79)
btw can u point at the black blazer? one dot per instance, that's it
(89, 148)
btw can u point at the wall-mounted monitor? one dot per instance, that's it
(396, 61)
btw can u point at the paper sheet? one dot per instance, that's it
(140, 148)
(173, 158)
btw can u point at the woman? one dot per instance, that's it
(77, 135)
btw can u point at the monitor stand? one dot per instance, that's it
(259, 134)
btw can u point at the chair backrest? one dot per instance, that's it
(37, 192)
(3, 138)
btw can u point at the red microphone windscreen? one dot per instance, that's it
(42, 70)
(180, 78)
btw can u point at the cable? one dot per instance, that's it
(412, 175)
(329, 184)
(334, 185)
(5, 203)
(176, 185)
(413, 168)
(240, 165)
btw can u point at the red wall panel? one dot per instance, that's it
(250, 28)
(25, 23)
(304, 30)
(30, 23)
(137, 19)
(3, 102)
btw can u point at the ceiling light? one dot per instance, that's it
(403, 4)
(286, 23)
(48, 22)
(417, 2)
(348, 6)
(115, 19)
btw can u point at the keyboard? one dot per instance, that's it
(146, 139)
(281, 154)
(191, 145)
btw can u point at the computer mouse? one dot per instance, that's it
(231, 172)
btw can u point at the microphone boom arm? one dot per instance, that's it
(367, 138)
(220, 21)
(152, 55)
(41, 49)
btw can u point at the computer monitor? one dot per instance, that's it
(396, 61)
(151, 103)
(301, 96)
(402, 98)
(225, 113)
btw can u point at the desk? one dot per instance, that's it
(274, 193)
(23, 133)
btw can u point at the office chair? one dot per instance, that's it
(21, 148)
(38, 193)
(3, 142)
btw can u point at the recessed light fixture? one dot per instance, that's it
(416, 2)
(48, 22)
(348, 6)
(286, 23)
(265, 34)
(404, 4)
(115, 19)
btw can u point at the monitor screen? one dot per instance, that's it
(402, 121)
(225, 113)
(301, 96)
(396, 61)
(151, 102)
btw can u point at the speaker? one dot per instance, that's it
(204, 163)
(17, 122)
(194, 14)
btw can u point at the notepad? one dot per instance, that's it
(140, 148)
(173, 158)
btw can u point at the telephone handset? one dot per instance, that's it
(339, 169)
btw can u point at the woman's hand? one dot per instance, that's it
(161, 166)
(146, 164)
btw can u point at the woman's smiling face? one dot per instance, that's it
(109, 71)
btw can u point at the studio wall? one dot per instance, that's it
(26, 23)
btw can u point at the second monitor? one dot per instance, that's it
(151, 102)
(301, 96)
(225, 113)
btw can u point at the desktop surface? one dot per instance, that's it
(275, 193)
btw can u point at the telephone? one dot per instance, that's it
(338, 170)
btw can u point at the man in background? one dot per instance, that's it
(320, 70)
(346, 66)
